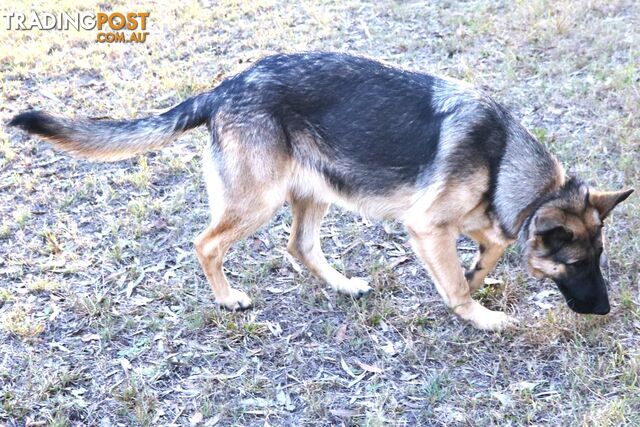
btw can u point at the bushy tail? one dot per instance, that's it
(116, 140)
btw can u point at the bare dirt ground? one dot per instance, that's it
(106, 318)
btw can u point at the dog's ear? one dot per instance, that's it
(550, 227)
(605, 201)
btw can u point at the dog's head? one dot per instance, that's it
(565, 244)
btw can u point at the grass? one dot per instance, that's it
(105, 316)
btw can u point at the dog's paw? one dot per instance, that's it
(495, 321)
(355, 287)
(485, 319)
(235, 301)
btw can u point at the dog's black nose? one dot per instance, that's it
(602, 309)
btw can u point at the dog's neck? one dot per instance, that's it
(529, 174)
(524, 233)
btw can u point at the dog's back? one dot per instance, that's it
(373, 127)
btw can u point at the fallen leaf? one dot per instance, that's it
(55, 310)
(90, 337)
(294, 263)
(398, 261)
(406, 376)
(347, 368)
(389, 349)
(257, 402)
(141, 301)
(132, 285)
(503, 398)
(341, 333)
(527, 386)
(342, 412)
(543, 305)
(285, 400)
(370, 368)
(276, 290)
(357, 380)
(158, 267)
(275, 328)
(543, 294)
(222, 377)
(78, 391)
(196, 418)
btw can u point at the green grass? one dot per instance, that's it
(105, 314)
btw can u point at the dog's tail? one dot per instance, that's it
(116, 140)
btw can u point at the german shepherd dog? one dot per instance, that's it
(320, 128)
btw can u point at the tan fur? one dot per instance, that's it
(304, 244)
(259, 158)
(457, 207)
(243, 195)
(491, 240)
(605, 201)
(493, 245)
(541, 267)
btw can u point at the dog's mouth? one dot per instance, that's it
(600, 307)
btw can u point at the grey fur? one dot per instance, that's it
(527, 173)
(116, 140)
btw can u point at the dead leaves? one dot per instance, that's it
(225, 377)
(258, 405)
(132, 285)
(357, 377)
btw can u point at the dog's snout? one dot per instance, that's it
(603, 308)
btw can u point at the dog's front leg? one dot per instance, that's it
(489, 253)
(436, 247)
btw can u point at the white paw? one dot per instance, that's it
(236, 300)
(495, 321)
(355, 287)
(485, 319)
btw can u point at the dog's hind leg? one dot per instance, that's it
(246, 186)
(212, 245)
(304, 244)
(436, 247)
